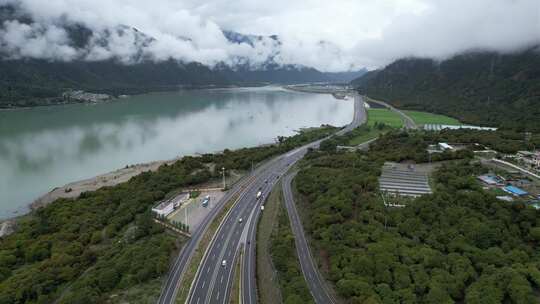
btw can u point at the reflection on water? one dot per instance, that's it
(42, 148)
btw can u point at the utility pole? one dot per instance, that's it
(223, 171)
(185, 214)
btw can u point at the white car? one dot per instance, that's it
(224, 263)
(240, 220)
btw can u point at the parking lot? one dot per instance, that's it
(192, 212)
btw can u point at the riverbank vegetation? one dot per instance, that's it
(459, 244)
(94, 248)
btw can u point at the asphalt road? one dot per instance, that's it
(319, 290)
(170, 287)
(249, 290)
(213, 281)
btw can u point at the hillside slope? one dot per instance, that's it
(480, 87)
(32, 82)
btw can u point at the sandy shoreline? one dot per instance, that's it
(74, 189)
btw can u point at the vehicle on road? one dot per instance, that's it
(240, 220)
(259, 194)
(262, 208)
(205, 201)
(224, 263)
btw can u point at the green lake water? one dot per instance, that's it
(45, 147)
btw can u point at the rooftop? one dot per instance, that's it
(515, 190)
(490, 179)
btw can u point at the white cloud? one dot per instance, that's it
(35, 41)
(329, 35)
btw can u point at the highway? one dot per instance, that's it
(170, 287)
(319, 290)
(213, 280)
(249, 290)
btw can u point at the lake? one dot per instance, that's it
(45, 147)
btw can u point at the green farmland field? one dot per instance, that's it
(384, 115)
(422, 118)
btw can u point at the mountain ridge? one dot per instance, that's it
(480, 87)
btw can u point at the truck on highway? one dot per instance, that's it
(259, 194)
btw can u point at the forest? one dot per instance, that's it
(486, 88)
(458, 245)
(87, 250)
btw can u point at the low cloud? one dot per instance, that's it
(331, 36)
(35, 41)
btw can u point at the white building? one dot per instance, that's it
(165, 207)
(445, 146)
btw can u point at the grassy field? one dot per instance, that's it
(422, 118)
(266, 274)
(384, 115)
(365, 135)
(375, 115)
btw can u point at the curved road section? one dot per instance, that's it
(249, 290)
(215, 273)
(319, 290)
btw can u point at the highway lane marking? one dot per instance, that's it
(226, 241)
(235, 207)
(203, 283)
(198, 299)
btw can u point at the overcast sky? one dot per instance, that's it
(336, 35)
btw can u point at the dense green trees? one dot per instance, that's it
(83, 250)
(459, 244)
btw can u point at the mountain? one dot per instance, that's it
(485, 88)
(34, 81)
(30, 82)
(345, 77)
(270, 64)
